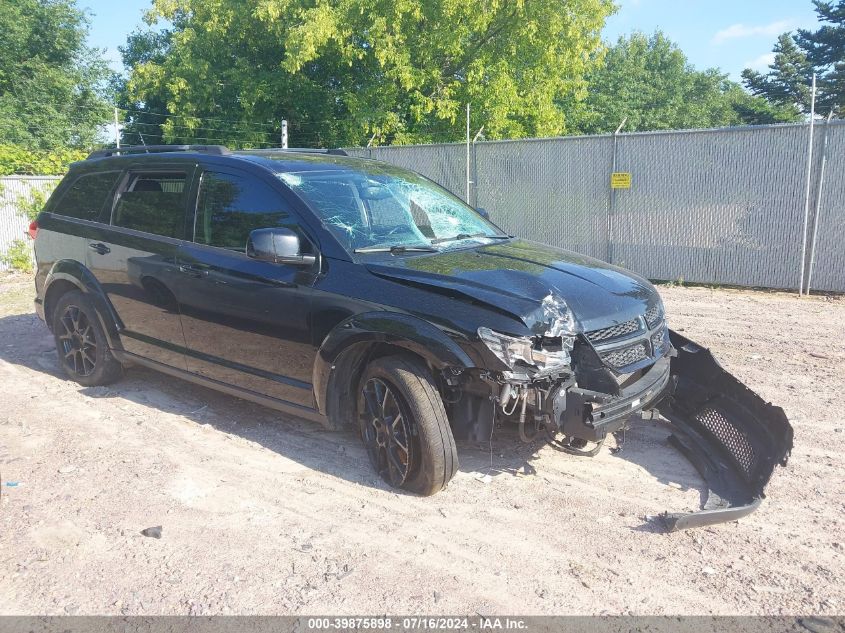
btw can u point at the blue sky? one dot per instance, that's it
(729, 34)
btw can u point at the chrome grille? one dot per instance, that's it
(625, 356)
(653, 315)
(614, 331)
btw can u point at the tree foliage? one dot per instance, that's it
(343, 70)
(797, 57)
(649, 81)
(51, 83)
(18, 256)
(15, 159)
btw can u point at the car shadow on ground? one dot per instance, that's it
(337, 453)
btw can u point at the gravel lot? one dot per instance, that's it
(268, 515)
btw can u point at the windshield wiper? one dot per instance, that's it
(395, 248)
(466, 236)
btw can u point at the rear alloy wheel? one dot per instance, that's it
(404, 427)
(78, 346)
(81, 343)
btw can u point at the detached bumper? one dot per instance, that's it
(731, 435)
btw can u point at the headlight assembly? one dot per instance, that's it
(514, 350)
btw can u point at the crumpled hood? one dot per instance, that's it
(515, 277)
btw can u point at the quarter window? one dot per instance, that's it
(87, 196)
(229, 207)
(153, 203)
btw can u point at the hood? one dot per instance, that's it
(515, 277)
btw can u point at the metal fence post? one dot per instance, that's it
(807, 191)
(474, 181)
(468, 142)
(818, 202)
(612, 201)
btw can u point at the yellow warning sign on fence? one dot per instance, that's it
(620, 180)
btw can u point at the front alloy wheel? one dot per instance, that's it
(386, 433)
(404, 426)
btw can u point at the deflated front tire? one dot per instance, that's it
(404, 427)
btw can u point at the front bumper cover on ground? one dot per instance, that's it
(731, 435)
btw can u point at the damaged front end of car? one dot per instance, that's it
(577, 387)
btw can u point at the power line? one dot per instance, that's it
(185, 116)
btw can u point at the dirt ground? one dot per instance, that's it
(268, 515)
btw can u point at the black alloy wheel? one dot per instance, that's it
(77, 340)
(386, 432)
(81, 343)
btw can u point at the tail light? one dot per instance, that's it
(33, 229)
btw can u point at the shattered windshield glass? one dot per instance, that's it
(388, 207)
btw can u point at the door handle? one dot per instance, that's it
(101, 248)
(193, 271)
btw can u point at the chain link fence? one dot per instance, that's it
(721, 206)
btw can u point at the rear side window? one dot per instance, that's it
(86, 197)
(230, 206)
(153, 203)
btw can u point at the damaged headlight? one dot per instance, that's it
(512, 350)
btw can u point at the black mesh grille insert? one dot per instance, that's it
(730, 436)
(614, 331)
(657, 342)
(622, 357)
(653, 316)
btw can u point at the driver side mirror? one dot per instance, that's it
(279, 246)
(484, 213)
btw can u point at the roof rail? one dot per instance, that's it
(158, 149)
(334, 151)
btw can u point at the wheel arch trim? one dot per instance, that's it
(73, 272)
(362, 331)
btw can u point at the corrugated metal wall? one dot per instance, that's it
(719, 206)
(13, 191)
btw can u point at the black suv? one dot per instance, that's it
(347, 290)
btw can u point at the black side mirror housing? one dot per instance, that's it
(279, 246)
(484, 213)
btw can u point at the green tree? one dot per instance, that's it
(825, 51)
(343, 70)
(787, 84)
(51, 83)
(797, 57)
(649, 81)
(143, 122)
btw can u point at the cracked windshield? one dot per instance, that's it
(375, 211)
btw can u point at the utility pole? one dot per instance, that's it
(284, 133)
(116, 130)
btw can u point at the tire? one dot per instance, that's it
(81, 344)
(396, 386)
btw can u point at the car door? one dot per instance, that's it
(246, 322)
(77, 215)
(135, 258)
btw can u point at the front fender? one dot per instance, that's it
(394, 328)
(75, 273)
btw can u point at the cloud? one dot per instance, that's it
(761, 62)
(741, 31)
